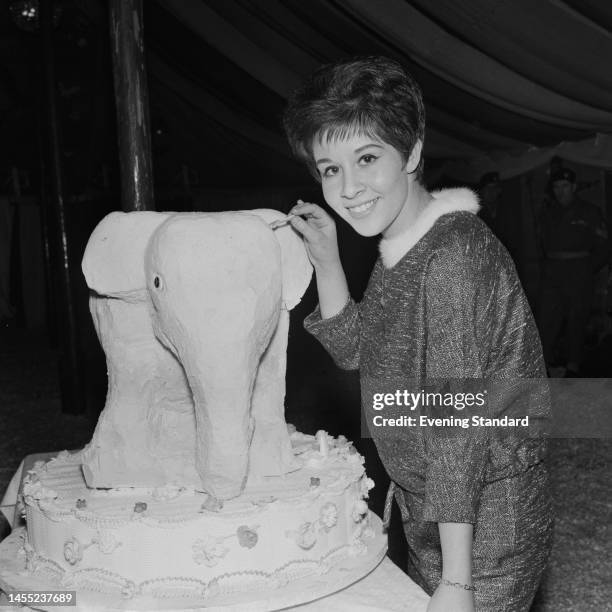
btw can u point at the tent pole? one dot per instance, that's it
(70, 368)
(132, 103)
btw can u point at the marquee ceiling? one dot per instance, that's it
(500, 78)
(507, 83)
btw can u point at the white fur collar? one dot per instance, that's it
(445, 201)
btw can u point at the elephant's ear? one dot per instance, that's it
(297, 269)
(113, 263)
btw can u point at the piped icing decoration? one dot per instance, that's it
(247, 536)
(128, 590)
(167, 493)
(305, 536)
(208, 550)
(360, 509)
(106, 541)
(211, 504)
(33, 488)
(365, 485)
(264, 501)
(337, 479)
(328, 516)
(362, 531)
(73, 551)
(105, 581)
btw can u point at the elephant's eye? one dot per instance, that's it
(157, 282)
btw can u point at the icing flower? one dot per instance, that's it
(362, 531)
(140, 507)
(81, 504)
(247, 537)
(314, 481)
(208, 551)
(360, 509)
(305, 536)
(128, 590)
(106, 541)
(328, 516)
(73, 551)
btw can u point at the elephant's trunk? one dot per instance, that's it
(221, 372)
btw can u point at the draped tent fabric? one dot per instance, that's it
(467, 68)
(508, 83)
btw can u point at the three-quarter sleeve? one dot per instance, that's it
(458, 292)
(339, 334)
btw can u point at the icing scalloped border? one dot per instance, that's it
(105, 581)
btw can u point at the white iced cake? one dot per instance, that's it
(174, 542)
(193, 485)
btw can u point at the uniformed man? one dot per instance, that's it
(575, 246)
(491, 210)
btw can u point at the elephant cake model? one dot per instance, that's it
(193, 486)
(192, 311)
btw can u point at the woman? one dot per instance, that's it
(443, 311)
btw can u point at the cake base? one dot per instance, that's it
(14, 577)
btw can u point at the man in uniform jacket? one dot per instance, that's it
(575, 246)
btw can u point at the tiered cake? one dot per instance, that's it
(173, 542)
(193, 486)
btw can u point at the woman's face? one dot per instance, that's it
(364, 180)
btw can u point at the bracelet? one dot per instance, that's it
(458, 585)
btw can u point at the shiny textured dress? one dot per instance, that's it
(444, 310)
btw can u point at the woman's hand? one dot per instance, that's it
(447, 598)
(319, 232)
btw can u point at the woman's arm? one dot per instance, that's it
(456, 543)
(455, 591)
(319, 232)
(336, 323)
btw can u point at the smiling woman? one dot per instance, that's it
(441, 311)
(367, 182)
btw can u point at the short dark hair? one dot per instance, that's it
(373, 95)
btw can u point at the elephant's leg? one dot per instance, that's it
(271, 452)
(172, 424)
(123, 450)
